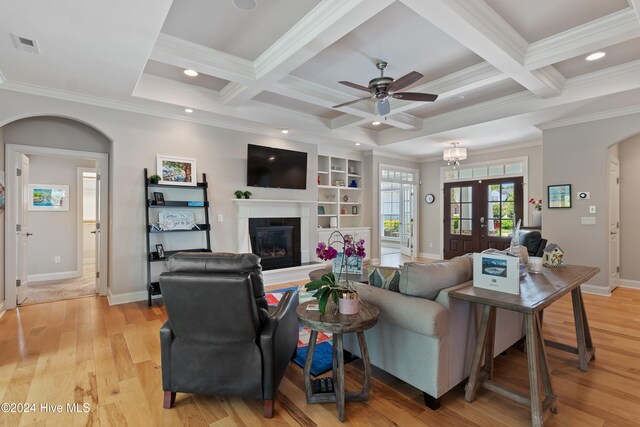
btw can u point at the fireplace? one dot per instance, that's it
(276, 241)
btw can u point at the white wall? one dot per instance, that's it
(430, 215)
(629, 155)
(54, 234)
(137, 138)
(577, 155)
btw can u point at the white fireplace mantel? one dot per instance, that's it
(266, 208)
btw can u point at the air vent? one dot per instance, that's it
(26, 44)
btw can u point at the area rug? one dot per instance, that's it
(322, 356)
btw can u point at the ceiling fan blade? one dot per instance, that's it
(350, 102)
(414, 96)
(354, 85)
(383, 107)
(405, 81)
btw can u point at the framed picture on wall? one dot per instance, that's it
(48, 197)
(160, 250)
(176, 170)
(559, 196)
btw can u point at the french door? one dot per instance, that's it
(479, 215)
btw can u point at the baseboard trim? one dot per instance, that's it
(2, 309)
(62, 275)
(632, 284)
(604, 291)
(116, 299)
(429, 255)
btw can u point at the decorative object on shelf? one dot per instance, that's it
(354, 210)
(429, 198)
(48, 197)
(552, 256)
(176, 219)
(154, 179)
(330, 196)
(239, 194)
(160, 251)
(352, 170)
(559, 196)
(454, 154)
(353, 184)
(338, 182)
(159, 198)
(321, 210)
(343, 211)
(337, 285)
(345, 198)
(535, 264)
(333, 222)
(247, 194)
(514, 250)
(176, 170)
(318, 179)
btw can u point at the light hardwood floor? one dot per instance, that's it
(85, 351)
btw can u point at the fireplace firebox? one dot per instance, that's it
(276, 241)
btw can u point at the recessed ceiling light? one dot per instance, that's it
(376, 123)
(285, 131)
(594, 56)
(245, 4)
(188, 110)
(357, 143)
(191, 73)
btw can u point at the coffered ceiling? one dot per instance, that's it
(502, 68)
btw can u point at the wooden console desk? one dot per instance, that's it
(537, 291)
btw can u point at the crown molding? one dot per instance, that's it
(615, 28)
(601, 115)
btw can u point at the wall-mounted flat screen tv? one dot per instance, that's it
(276, 168)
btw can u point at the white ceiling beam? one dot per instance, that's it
(324, 25)
(635, 4)
(184, 54)
(478, 27)
(180, 94)
(612, 80)
(612, 29)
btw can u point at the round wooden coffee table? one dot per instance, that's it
(337, 324)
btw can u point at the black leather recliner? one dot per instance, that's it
(533, 241)
(221, 337)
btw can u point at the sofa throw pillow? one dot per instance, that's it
(427, 280)
(384, 277)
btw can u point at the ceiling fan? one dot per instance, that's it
(383, 87)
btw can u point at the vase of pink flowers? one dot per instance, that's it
(536, 214)
(336, 286)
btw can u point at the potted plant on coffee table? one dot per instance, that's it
(337, 286)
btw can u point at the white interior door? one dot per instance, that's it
(407, 222)
(96, 232)
(614, 224)
(22, 230)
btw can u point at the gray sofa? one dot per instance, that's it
(423, 336)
